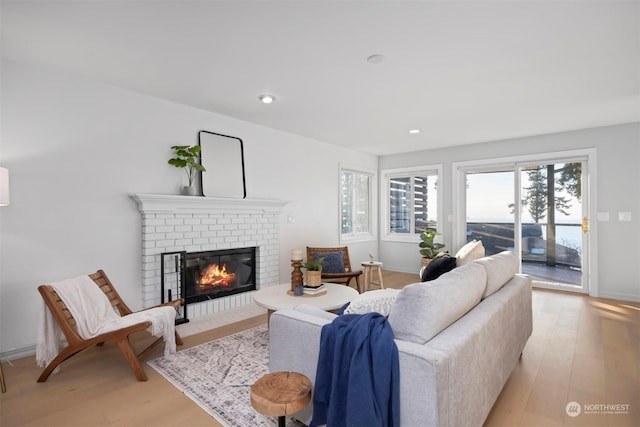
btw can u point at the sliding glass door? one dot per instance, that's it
(552, 213)
(490, 213)
(547, 227)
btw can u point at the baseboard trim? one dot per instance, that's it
(619, 296)
(18, 353)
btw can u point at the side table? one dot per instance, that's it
(281, 393)
(371, 267)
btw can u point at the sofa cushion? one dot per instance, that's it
(333, 261)
(379, 300)
(470, 252)
(422, 310)
(500, 269)
(441, 264)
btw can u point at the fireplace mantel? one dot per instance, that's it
(171, 203)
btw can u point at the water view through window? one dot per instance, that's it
(551, 212)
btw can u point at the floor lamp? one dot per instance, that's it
(4, 201)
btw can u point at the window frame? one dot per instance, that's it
(385, 176)
(370, 235)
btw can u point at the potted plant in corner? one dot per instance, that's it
(187, 157)
(428, 248)
(314, 272)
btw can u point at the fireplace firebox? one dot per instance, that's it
(202, 276)
(216, 274)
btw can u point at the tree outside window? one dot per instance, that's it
(546, 186)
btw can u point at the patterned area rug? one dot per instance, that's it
(218, 376)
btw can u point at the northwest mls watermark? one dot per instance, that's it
(574, 409)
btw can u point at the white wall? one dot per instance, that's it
(76, 149)
(618, 174)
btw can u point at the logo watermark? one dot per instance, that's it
(573, 409)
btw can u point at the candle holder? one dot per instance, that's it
(296, 274)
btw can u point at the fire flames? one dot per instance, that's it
(213, 275)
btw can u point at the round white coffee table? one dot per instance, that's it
(275, 297)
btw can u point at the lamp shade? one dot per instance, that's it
(4, 187)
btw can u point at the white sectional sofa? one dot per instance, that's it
(458, 337)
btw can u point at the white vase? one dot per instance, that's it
(189, 190)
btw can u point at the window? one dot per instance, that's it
(355, 204)
(412, 202)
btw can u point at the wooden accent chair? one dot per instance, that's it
(75, 343)
(343, 278)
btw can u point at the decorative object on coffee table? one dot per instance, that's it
(296, 274)
(301, 291)
(279, 394)
(187, 157)
(314, 271)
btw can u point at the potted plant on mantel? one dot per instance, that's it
(187, 157)
(314, 272)
(428, 248)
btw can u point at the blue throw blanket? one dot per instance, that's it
(357, 380)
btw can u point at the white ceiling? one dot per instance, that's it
(461, 71)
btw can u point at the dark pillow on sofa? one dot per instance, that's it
(438, 266)
(333, 261)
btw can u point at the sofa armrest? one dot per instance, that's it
(314, 311)
(294, 344)
(294, 339)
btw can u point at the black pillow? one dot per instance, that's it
(438, 266)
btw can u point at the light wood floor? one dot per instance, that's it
(582, 349)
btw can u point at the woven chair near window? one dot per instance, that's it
(335, 272)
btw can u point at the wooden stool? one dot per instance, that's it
(280, 393)
(369, 267)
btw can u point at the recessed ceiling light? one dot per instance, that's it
(375, 59)
(414, 131)
(267, 99)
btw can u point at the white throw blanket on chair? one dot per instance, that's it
(95, 315)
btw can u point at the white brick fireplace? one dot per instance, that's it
(187, 223)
